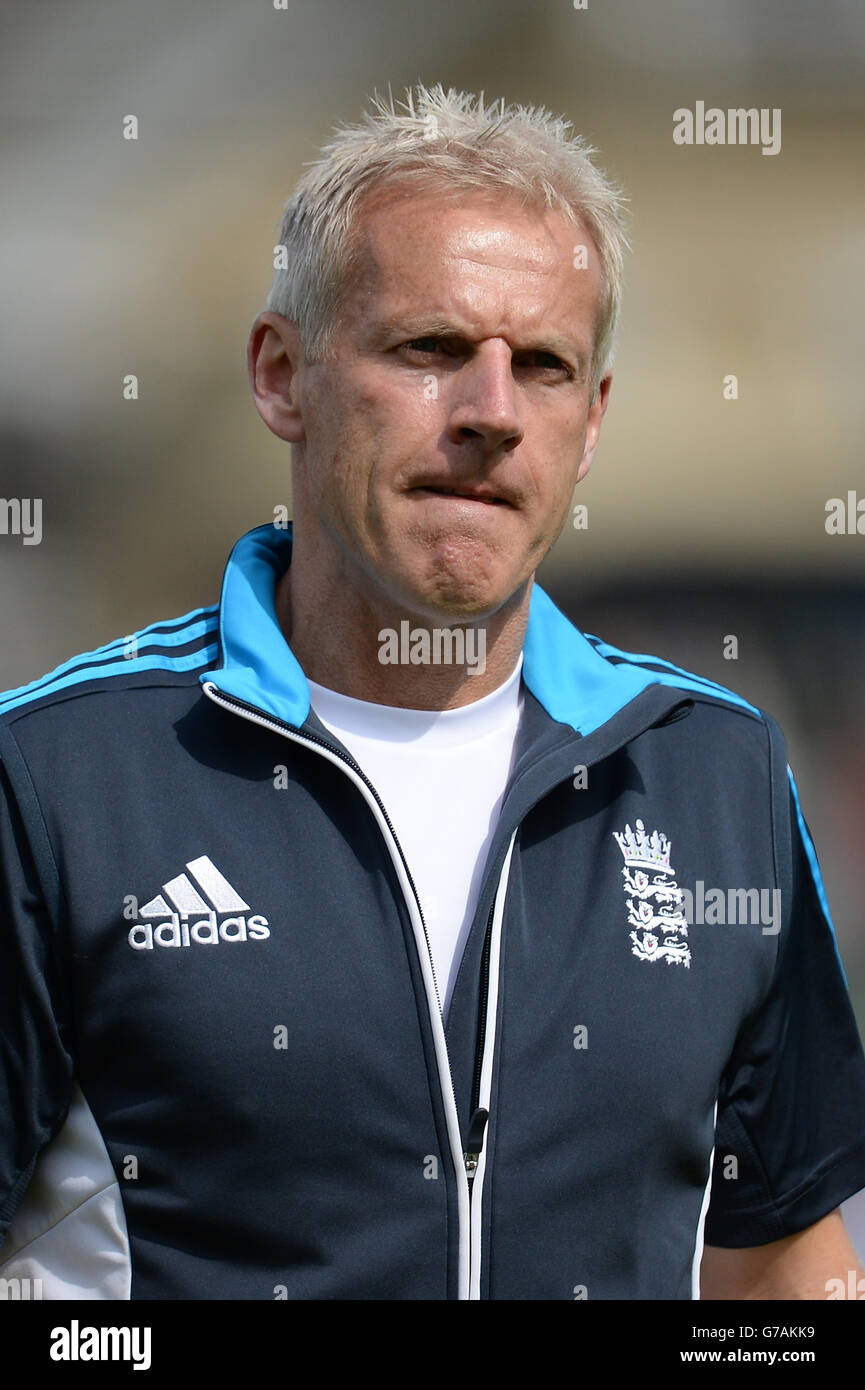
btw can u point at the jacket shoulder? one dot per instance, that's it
(172, 651)
(655, 670)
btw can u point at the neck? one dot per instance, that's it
(392, 657)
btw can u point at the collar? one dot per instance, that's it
(562, 669)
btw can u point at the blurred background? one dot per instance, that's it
(706, 515)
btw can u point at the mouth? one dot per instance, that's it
(479, 495)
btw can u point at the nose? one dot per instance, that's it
(484, 402)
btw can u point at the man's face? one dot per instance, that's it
(439, 446)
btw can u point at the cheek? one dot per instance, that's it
(337, 443)
(367, 416)
(388, 432)
(554, 476)
(405, 414)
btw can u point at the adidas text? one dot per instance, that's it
(205, 932)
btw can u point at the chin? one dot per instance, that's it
(455, 599)
(454, 580)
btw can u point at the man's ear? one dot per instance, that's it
(273, 355)
(593, 425)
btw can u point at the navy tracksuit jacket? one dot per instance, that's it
(211, 950)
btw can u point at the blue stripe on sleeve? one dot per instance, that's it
(815, 870)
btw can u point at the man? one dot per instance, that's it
(345, 951)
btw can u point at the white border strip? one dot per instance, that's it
(476, 1224)
(698, 1249)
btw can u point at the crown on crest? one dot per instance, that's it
(642, 851)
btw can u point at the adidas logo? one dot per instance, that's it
(186, 914)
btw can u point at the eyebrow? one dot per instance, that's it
(420, 327)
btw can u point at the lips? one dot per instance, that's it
(466, 494)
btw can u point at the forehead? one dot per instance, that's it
(465, 252)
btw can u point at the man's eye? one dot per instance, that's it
(424, 344)
(542, 359)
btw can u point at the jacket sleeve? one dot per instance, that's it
(790, 1125)
(35, 1061)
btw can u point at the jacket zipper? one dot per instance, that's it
(482, 1015)
(475, 1142)
(479, 1116)
(469, 1278)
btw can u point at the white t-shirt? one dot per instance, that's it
(441, 775)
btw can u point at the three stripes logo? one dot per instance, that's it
(192, 909)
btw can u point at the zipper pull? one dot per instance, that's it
(475, 1142)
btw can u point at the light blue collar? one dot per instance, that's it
(561, 668)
